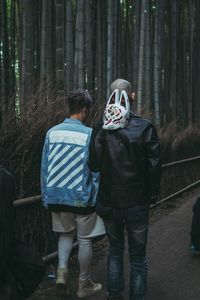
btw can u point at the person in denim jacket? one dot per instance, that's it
(69, 190)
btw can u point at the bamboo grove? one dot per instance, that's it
(54, 46)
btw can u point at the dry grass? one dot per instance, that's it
(22, 139)
(176, 145)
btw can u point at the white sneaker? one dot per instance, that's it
(61, 288)
(88, 288)
(61, 276)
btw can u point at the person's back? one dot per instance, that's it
(126, 171)
(66, 147)
(126, 152)
(69, 190)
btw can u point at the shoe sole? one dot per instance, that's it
(88, 294)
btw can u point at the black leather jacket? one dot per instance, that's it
(129, 163)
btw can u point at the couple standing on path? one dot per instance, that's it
(112, 172)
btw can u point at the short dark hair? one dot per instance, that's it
(77, 100)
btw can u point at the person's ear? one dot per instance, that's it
(84, 110)
(133, 96)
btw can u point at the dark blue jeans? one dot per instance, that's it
(135, 219)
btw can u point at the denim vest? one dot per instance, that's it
(65, 175)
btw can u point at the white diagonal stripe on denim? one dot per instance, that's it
(61, 174)
(77, 181)
(54, 151)
(50, 147)
(79, 189)
(56, 157)
(64, 161)
(71, 175)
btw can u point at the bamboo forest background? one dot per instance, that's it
(86, 44)
(50, 47)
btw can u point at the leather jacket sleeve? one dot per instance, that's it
(94, 153)
(153, 162)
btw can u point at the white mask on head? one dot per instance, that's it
(117, 111)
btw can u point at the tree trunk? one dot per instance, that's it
(190, 85)
(88, 44)
(50, 58)
(180, 55)
(173, 76)
(163, 58)
(109, 45)
(12, 56)
(136, 42)
(158, 48)
(59, 48)
(1, 64)
(127, 41)
(122, 40)
(79, 80)
(27, 53)
(99, 53)
(36, 12)
(141, 56)
(5, 78)
(166, 69)
(69, 47)
(105, 47)
(148, 60)
(196, 65)
(119, 50)
(114, 63)
(43, 51)
(19, 45)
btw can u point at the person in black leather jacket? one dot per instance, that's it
(128, 160)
